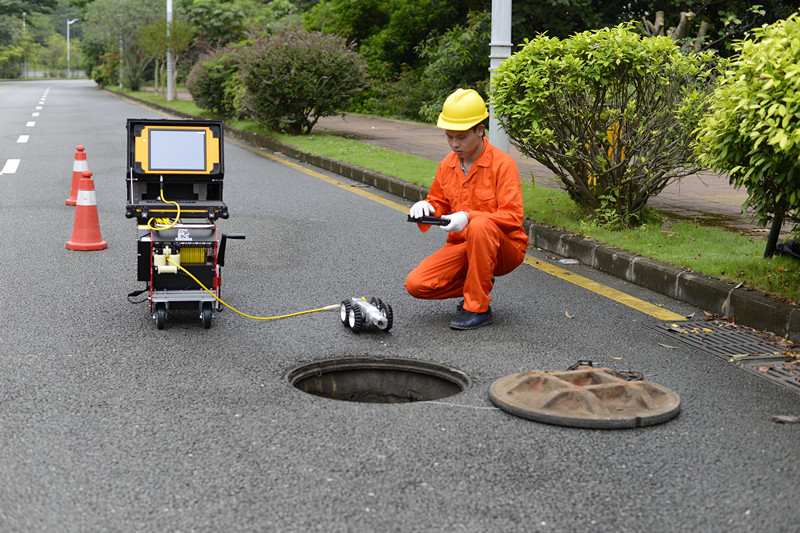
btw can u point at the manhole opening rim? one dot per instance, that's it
(343, 364)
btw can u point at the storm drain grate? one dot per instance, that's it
(785, 372)
(718, 338)
(739, 346)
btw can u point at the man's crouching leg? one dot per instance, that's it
(489, 253)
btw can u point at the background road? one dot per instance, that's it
(107, 423)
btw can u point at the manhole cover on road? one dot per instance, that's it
(378, 380)
(587, 397)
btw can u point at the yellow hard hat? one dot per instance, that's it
(462, 110)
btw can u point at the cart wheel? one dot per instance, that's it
(206, 313)
(355, 320)
(160, 315)
(344, 311)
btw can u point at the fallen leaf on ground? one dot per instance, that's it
(785, 419)
(566, 313)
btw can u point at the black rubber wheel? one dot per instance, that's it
(386, 310)
(344, 311)
(160, 315)
(206, 313)
(355, 319)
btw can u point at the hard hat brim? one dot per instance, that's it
(460, 125)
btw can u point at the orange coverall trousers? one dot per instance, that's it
(466, 268)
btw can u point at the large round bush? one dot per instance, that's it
(293, 77)
(609, 112)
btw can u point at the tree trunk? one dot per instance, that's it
(774, 233)
(657, 29)
(701, 33)
(683, 26)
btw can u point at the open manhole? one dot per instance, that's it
(378, 380)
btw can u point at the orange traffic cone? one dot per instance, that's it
(86, 230)
(78, 167)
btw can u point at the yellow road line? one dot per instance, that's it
(603, 290)
(586, 283)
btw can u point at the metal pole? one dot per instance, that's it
(500, 49)
(69, 23)
(170, 84)
(25, 52)
(120, 61)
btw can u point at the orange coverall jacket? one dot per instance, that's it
(492, 195)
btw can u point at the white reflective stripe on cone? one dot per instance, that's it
(86, 198)
(80, 165)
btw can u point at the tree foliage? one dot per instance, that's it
(217, 23)
(608, 111)
(118, 23)
(751, 130)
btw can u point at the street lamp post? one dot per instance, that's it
(25, 54)
(69, 23)
(500, 49)
(170, 74)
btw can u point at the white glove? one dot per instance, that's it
(458, 221)
(421, 208)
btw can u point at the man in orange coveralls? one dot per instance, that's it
(477, 188)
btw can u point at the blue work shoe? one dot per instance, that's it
(468, 320)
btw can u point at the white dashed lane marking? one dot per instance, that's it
(10, 167)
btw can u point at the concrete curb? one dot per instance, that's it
(740, 305)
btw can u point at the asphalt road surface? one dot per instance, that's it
(107, 423)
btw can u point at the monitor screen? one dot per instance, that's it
(177, 149)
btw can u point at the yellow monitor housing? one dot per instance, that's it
(179, 160)
(176, 150)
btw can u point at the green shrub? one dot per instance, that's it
(293, 77)
(608, 111)
(107, 72)
(751, 131)
(213, 80)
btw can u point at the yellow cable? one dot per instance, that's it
(177, 215)
(326, 308)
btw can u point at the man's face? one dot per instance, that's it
(465, 143)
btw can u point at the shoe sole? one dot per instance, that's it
(463, 328)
